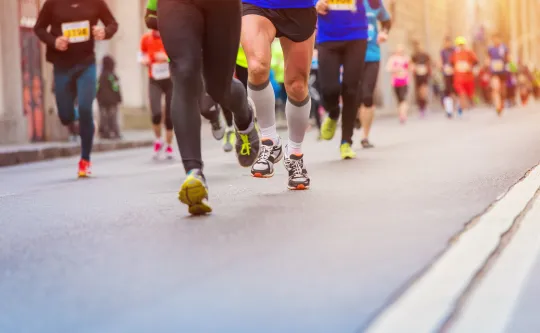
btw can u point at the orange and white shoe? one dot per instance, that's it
(84, 168)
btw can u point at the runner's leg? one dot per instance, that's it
(297, 67)
(181, 26)
(86, 93)
(330, 59)
(369, 82)
(154, 98)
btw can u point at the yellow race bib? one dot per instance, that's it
(421, 70)
(76, 32)
(342, 5)
(497, 65)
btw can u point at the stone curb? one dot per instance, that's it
(41, 154)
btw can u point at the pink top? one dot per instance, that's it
(398, 65)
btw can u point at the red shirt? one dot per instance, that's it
(150, 46)
(463, 61)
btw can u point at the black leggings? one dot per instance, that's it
(315, 97)
(156, 90)
(332, 55)
(369, 82)
(186, 28)
(242, 75)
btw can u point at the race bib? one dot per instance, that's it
(161, 71)
(76, 32)
(463, 66)
(448, 70)
(421, 70)
(342, 5)
(497, 65)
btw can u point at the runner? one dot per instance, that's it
(448, 73)
(293, 21)
(213, 27)
(241, 74)
(399, 66)
(153, 48)
(525, 82)
(484, 78)
(422, 72)
(314, 92)
(375, 11)
(159, 85)
(463, 60)
(341, 41)
(70, 48)
(498, 55)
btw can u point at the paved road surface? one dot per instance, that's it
(118, 253)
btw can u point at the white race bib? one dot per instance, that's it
(342, 5)
(161, 71)
(448, 70)
(497, 65)
(76, 32)
(421, 70)
(463, 66)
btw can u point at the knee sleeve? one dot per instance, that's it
(156, 119)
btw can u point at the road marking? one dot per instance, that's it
(490, 306)
(428, 302)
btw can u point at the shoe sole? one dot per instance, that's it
(299, 187)
(83, 175)
(194, 194)
(227, 148)
(270, 175)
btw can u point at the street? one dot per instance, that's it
(118, 252)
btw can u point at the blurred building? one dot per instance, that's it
(27, 106)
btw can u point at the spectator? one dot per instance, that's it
(108, 97)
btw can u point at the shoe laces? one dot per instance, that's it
(246, 145)
(297, 167)
(266, 151)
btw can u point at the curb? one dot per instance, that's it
(42, 154)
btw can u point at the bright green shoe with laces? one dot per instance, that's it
(228, 141)
(247, 146)
(347, 152)
(328, 128)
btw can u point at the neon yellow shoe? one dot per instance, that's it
(347, 152)
(328, 128)
(194, 193)
(228, 141)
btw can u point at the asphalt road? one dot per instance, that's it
(118, 253)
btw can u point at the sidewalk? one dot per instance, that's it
(34, 152)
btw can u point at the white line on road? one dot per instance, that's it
(429, 300)
(490, 306)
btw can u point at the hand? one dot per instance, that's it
(145, 61)
(161, 57)
(322, 7)
(98, 32)
(61, 43)
(382, 37)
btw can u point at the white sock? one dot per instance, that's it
(297, 121)
(270, 133)
(448, 104)
(294, 148)
(265, 105)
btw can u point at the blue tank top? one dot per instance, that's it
(373, 52)
(498, 56)
(281, 4)
(343, 25)
(446, 56)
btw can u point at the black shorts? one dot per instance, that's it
(421, 80)
(401, 93)
(369, 82)
(296, 24)
(449, 85)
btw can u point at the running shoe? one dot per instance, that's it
(194, 193)
(247, 146)
(298, 177)
(228, 141)
(328, 128)
(158, 145)
(169, 152)
(218, 127)
(366, 144)
(269, 155)
(347, 152)
(84, 168)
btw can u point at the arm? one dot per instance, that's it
(150, 15)
(105, 15)
(385, 19)
(42, 24)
